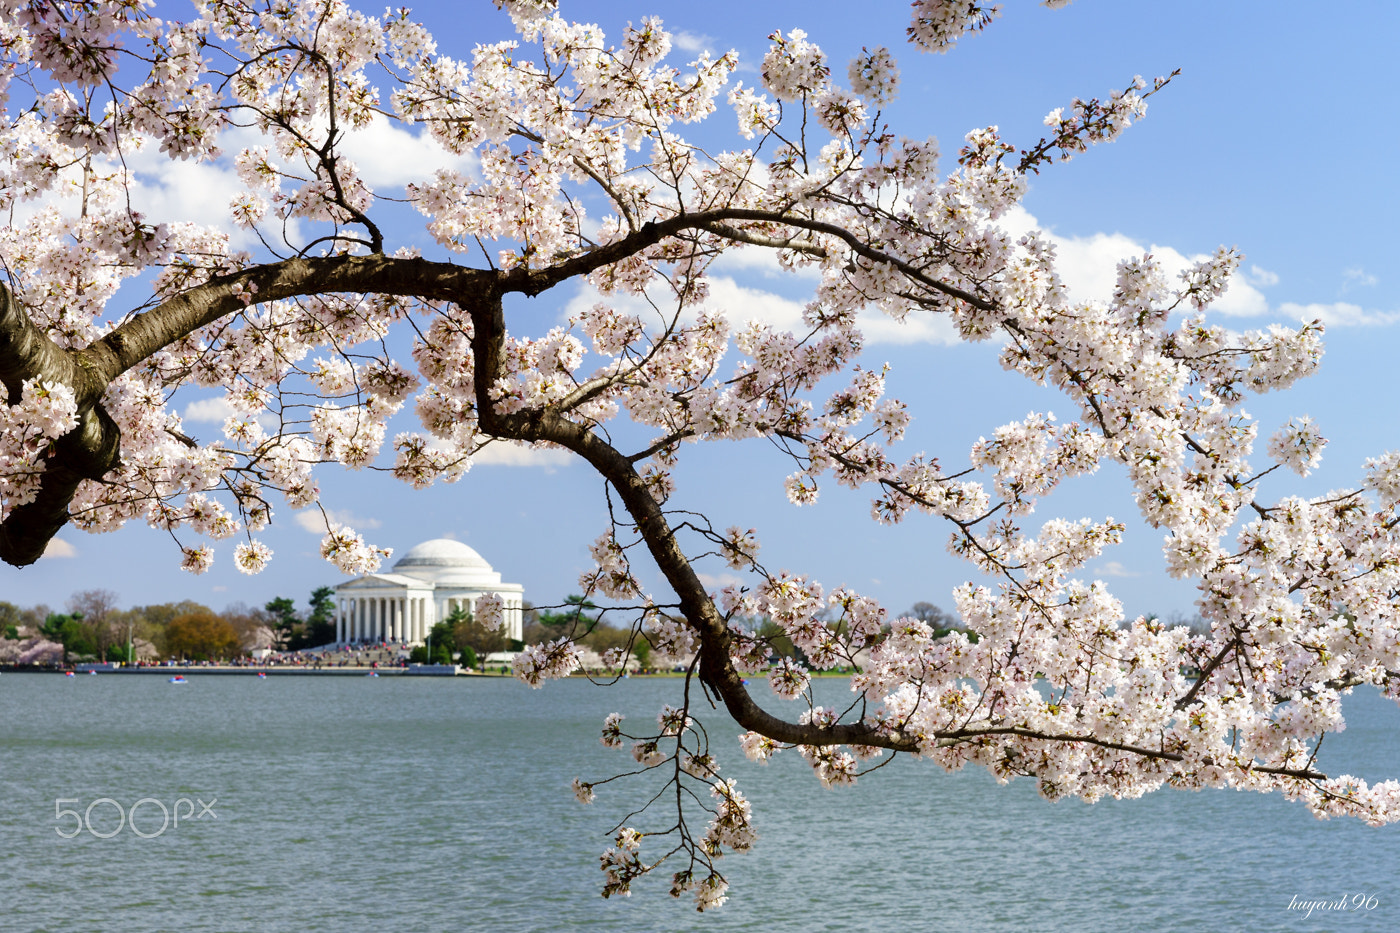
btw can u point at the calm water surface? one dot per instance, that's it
(386, 804)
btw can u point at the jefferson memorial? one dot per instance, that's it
(422, 588)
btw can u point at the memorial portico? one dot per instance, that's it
(423, 587)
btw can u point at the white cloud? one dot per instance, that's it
(495, 453)
(171, 191)
(1338, 314)
(879, 327)
(713, 581)
(741, 304)
(1262, 277)
(162, 190)
(216, 410)
(388, 155)
(501, 453)
(57, 547)
(180, 190)
(1115, 569)
(1357, 278)
(694, 43)
(762, 261)
(1088, 265)
(311, 520)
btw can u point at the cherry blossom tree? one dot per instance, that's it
(303, 335)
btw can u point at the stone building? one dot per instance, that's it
(423, 587)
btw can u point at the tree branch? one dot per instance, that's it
(86, 452)
(716, 669)
(183, 314)
(93, 448)
(536, 281)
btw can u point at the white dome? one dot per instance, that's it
(445, 561)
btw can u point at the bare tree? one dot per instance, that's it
(98, 609)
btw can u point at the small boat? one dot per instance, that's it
(67, 673)
(179, 679)
(262, 675)
(94, 673)
(372, 674)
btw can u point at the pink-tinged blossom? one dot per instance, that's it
(709, 892)
(538, 663)
(758, 747)
(672, 721)
(788, 679)
(612, 576)
(647, 753)
(612, 730)
(348, 551)
(1383, 478)
(251, 557)
(620, 869)
(490, 611)
(740, 547)
(50, 407)
(874, 76)
(1298, 445)
(937, 25)
(732, 825)
(671, 638)
(197, 559)
(41, 653)
(794, 67)
(704, 767)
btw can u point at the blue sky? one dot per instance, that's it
(1277, 138)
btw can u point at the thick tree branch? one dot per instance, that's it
(965, 735)
(536, 281)
(92, 449)
(26, 352)
(183, 314)
(716, 670)
(86, 452)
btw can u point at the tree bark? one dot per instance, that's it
(89, 451)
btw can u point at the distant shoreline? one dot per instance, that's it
(279, 671)
(439, 670)
(291, 671)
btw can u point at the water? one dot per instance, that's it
(424, 804)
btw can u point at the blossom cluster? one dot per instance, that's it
(680, 743)
(45, 412)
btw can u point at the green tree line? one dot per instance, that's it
(94, 628)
